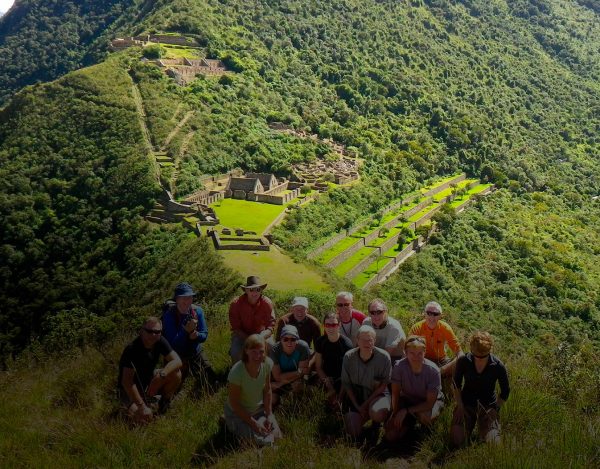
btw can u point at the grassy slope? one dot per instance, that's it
(75, 431)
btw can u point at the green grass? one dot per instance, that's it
(176, 52)
(338, 248)
(438, 182)
(275, 268)
(448, 191)
(61, 414)
(251, 216)
(473, 191)
(349, 263)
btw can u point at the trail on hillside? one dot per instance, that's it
(177, 128)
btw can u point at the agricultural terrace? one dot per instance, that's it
(170, 51)
(382, 249)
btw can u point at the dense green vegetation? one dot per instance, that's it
(506, 90)
(42, 40)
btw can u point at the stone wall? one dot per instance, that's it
(277, 199)
(399, 259)
(437, 190)
(362, 265)
(259, 244)
(277, 189)
(205, 197)
(342, 256)
(472, 199)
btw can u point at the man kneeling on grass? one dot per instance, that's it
(290, 363)
(139, 382)
(416, 390)
(365, 376)
(475, 379)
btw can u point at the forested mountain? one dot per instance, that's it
(505, 90)
(41, 40)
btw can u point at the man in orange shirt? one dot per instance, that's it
(437, 334)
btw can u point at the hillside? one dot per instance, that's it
(507, 91)
(42, 40)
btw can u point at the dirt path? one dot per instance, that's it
(177, 128)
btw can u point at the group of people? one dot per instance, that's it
(369, 369)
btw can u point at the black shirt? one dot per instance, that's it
(142, 360)
(332, 354)
(481, 387)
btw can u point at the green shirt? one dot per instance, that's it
(251, 388)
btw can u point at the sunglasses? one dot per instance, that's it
(331, 325)
(433, 313)
(289, 339)
(376, 312)
(153, 331)
(416, 339)
(341, 305)
(254, 289)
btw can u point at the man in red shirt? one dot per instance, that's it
(250, 313)
(350, 319)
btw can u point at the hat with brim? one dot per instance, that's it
(289, 331)
(253, 282)
(184, 289)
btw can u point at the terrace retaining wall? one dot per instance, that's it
(397, 260)
(438, 189)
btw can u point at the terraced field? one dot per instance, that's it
(373, 250)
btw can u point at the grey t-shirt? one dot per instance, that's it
(388, 336)
(364, 377)
(415, 387)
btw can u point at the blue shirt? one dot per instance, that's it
(178, 337)
(290, 362)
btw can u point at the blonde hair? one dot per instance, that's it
(253, 341)
(481, 343)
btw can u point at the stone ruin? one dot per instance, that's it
(184, 70)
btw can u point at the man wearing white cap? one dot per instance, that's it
(308, 326)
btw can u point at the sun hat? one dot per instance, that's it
(184, 289)
(253, 282)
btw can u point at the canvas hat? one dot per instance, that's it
(184, 289)
(252, 282)
(300, 301)
(289, 331)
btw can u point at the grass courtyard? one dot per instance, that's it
(250, 216)
(276, 269)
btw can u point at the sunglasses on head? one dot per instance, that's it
(153, 331)
(421, 340)
(376, 312)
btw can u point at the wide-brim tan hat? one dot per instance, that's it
(253, 282)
